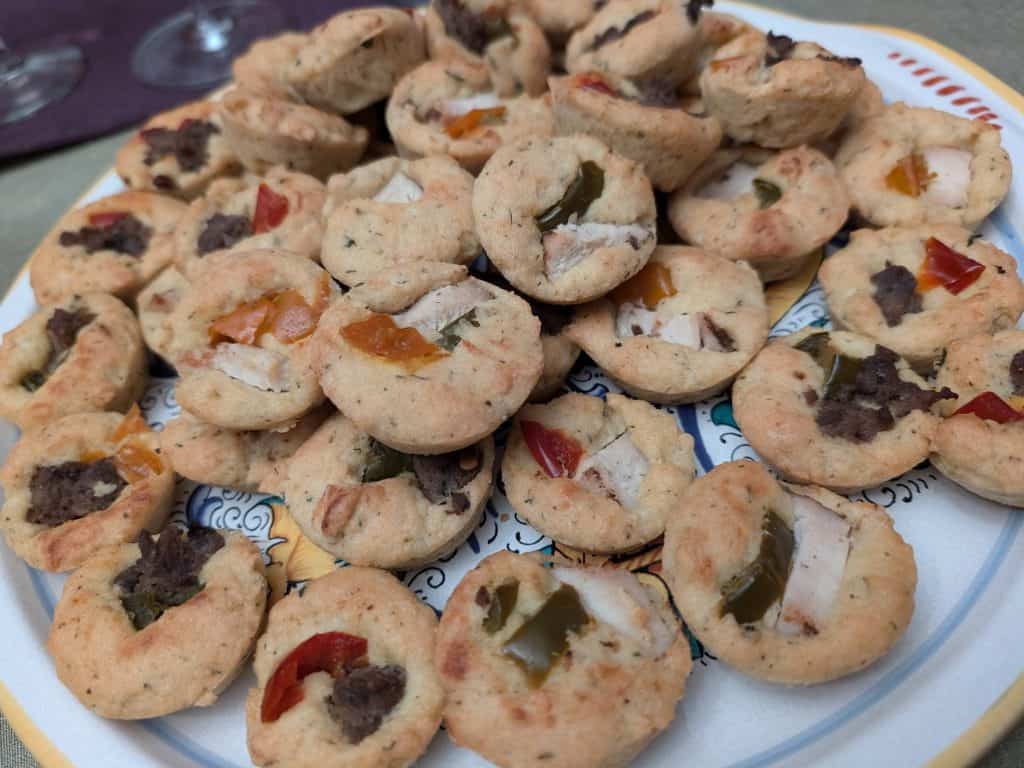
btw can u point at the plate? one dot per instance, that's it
(927, 700)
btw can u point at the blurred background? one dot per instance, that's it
(108, 64)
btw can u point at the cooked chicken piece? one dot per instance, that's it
(568, 244)
(260, 368)
(399, 189)
(441, 306)
(822, 546)
(616, 470)
(615, 597)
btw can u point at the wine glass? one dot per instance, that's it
(31, 81)
(195, 47)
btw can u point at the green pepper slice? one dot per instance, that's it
(816, 345)
(581, 192)
(143, 608)
(383, 463)
(33, 381)
(450, 336)
(839, 369)
(544, 638)
(503, 602)
(750, 593)
(845, 372)
(768, 194)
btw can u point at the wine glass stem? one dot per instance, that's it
(10, 62)
(211, 33)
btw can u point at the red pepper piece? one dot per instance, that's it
(106, 218)
(556, 452)
(591, 81)
(271, 208)
(324, 652)
(944, 266)
(990, 406)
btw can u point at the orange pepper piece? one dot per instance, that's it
(131, 424)
(910, 176)
(469, 122)
(290, 318)
(134, 462)
(648, 286)
(719, 64)
(243, 324)
(379, 336)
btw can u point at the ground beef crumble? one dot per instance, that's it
(896, 293)
(222, 231)
(473, 30)
(617, 33)
(656, 92)
(779, 49)
(71, 490)
(166, 573)
(127, 235)
(1017, 373)
(189, 144)
(441, 477)
(872, 399)
(62, 328)
(362, 699)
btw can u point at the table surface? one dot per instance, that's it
(35, 191)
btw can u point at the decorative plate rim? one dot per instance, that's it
(970, 745)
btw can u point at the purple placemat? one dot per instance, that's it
(108, 97)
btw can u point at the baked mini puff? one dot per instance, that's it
(355, 58)
(178, 152)
(772, 209)
(790, 584)
(452, 107)
(82, 483)
(911, 165)
(496, 34)
(267, 132)
(83, 354)
(566, 219)
(641, 123)
(393, 211)
(980, 443)
(776, 92)
(643, 40)
(116, 244)
(120, 666)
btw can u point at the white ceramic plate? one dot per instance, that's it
(961, 653)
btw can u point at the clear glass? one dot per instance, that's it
(30, 81)
(195, 48)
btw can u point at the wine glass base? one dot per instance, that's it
(40, 78)
(185, 51)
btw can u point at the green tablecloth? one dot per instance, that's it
(33, 193)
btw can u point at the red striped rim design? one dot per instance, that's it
(928, 78)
